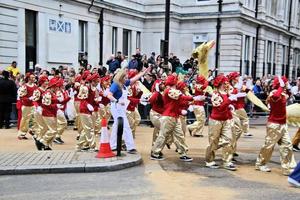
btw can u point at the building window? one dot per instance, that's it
(286, 10)
(114, 40)
(274, 59)
(269, 57)
(138, 40)
(271, 6)
(283, 59)
(247, 55)
(82, 39)
(248, 3)
(298, 15)
(126, 42)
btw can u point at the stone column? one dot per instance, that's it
(21, 40)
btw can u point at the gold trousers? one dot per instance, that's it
(96, 122)
(236, 130)
(51, 123)
(77, 118)
(155, 119)
(87, 137)
(27, 113)
(219, 135)
(61, 125)
(134, 120)
(277, 133)
(198, 126)
(244, 120)
(39, 126)
(105, 113)
(183, 123)
(296, 138)
(170, 126)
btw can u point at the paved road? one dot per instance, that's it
(169, 179)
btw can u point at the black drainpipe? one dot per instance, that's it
(218, 37)
(100, 22)
(256, 44)
(287, 70)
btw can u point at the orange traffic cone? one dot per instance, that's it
(105, 150)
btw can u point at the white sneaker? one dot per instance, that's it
(248, 135)
(212, 165)
(287, 172)
(293, 182)
(230, 166)
(263, 168)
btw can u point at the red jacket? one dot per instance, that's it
(134, 98)
(76, 88)
(29, 92)
(89, 100)
(66, 98)
(157, 102)
(172, 105)
(221, 112)
(49, 104)
(197, 93)
(38, 94)
(240, 103)
(277, 101)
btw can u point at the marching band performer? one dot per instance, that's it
(170, 123)
(77, 123)
(40, 126)
(49, 113)
(240, 118)
(87, 95)
(196, 129)
(61, 119)
(104, 109)
(277, 131)
(219, 131)
(25, 93)
(134, 96)
(119, 101)
(157, 104)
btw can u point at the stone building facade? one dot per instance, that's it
(54, 32)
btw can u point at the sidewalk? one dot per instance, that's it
(62, 162)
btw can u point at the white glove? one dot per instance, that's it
(99, 98)
(59, 106)
(157, 87)
(101, 105)
(239, 85)
(183, 112)
(72, 93)
(39, 110)
(199, 98)
(241, 94)
(60, 99)
(90, 107)
(249, 84)
(281, 83)
(231, 107)
(106, 92)
(30, 98)
(232, 97)
(191, 108)
(60, 113)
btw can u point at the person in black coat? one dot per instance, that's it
(8, 95)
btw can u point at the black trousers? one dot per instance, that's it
(5, 110)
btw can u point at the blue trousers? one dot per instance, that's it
(296, 173)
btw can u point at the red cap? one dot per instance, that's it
(171, 80)
(60, 82)
(132, 73)
(42, 80)
(181, 85)
(93, 77)
(233, 75)
(276, 83)
(220, 79)
(53, 82)
(85, 74)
